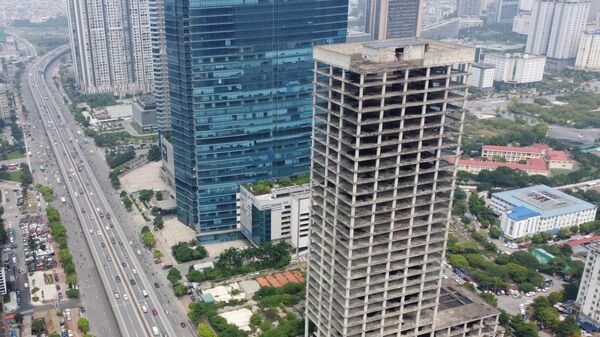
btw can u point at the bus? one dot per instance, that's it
(63, 200)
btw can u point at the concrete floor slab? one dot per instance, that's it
(145, 177)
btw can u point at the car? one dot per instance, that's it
(124, 264)
(108, 258)
(118, 278)
(82, 210)
(105, 266)
(70, 333)
(91, 231)
(144, 309)
(154, 312)
(125, 297)
(117, 295)
(182, 324)
(132, 281)
(107, 228)
(156, 285)
(102, 244)
(82, 309)
(99, 233)
(60, 296)
(57, 287)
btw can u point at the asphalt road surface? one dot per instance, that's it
(118, 267)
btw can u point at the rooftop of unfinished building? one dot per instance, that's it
(406, 53)
(458, 305)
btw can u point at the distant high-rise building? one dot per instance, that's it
(388, 19)
(388, 119)
(506, 10)
(111, 45)
(5, 102)
(517, 68)
(587, 302)
(159, 60)
(467, 8)
(240, 89)
(594, 13)
(526, 5)
(588, 56)
(558, 27)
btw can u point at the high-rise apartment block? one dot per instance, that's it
(388, 115)
(517, 68)
(506, 10)
(558, 26)
(240, 88)
(594, 13)
(587, 299)
(588, 56)
(5, 102)
(111, 46)
(388, 19)
(159, 61)
(469, 8)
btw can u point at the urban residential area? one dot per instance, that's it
(300, 168)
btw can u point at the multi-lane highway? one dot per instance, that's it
(137, 308)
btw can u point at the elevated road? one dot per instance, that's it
(136, 305)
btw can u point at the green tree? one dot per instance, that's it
(204, 330)
(180, 290)
(72, 293)
(146, 195)
(154, 153)
(564, 233)
(568, 328)
(54, 334)
(37, 326)
(555, 297)
(522, 328)
(148, 239)
(157, 254)
(490, 298)
(174, 276)
(159, 195)
(83, 324)
(158, 222)
(458, 261)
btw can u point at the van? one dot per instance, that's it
(144, 309)
(155, 331)
(145, 293)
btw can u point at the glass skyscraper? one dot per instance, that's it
(240, 87)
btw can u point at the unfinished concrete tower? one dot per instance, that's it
(387, 120)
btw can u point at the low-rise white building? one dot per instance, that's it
(588, 54)
(3, 289)
(519, 222)
(588, 303)
(280, 214)
(539, 208)
(482, 76)
(517, 68)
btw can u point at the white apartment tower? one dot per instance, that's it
(587, 298)
(111, 45)
(517, 68)
(588, 56)
(159, 60)
(387, 116)
(558, 27)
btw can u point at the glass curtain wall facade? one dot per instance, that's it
(240, 97)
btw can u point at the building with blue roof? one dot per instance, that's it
(539, 208)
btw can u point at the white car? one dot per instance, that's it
(99, 233)
(125, 297)
(91, 231)
(70, 333)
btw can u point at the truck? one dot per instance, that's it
(155, 331)
(63, 200)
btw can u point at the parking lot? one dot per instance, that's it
(512, 305)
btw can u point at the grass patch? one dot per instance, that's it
(15, 176)
(14, 155)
